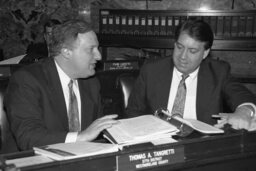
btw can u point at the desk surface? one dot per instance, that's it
(234, 151)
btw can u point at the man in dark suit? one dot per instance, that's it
(208, 84)
(38, 99)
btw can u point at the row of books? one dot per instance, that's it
(157, 25)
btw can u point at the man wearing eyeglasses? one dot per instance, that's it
(192, 84)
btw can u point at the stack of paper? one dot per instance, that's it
(29, 161)
(145, 128)
(64, 151)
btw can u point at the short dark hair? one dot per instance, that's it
(198, 30)
(51, 23)
(65, 34)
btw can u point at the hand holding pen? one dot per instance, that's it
(237, 120)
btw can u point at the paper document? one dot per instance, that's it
(144, 128)
(64, 151)
(29, 161)
(200, 126)
(197, 125)
(11, 61)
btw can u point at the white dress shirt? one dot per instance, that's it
(64, 79)
(191, 85)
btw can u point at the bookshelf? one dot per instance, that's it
(234, 30)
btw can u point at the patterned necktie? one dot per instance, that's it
(179, 102)
(73, 115)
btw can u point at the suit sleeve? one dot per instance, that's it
(98, 100)
(234, 92)
(26, 115)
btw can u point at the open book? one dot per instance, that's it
(147, 128)
(139, 129)
(64, 151)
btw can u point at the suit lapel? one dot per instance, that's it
(164, 84)
(205, 86)
(86, 104)
(56, 92)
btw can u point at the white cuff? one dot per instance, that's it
(71, 137)
(252, 105)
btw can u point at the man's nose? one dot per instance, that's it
(184, 54)
(97, 55)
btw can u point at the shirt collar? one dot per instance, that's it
(192, 75)
(64, 78)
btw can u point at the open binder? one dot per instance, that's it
(139, 129)
(147, 128)
(188, 124)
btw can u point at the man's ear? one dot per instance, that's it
(66, 52)
(206, 52)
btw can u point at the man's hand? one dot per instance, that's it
(253, 125)
(96, 127)
(240, 119)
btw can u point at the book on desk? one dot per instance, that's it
(148, 128)
(65, 151)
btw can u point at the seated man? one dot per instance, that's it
(57, 99)
(36, 51)
(205, 83)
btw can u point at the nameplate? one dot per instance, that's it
(150, 159)
(121, 65)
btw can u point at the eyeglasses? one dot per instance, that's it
(164, 114)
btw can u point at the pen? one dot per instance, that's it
(216, 116)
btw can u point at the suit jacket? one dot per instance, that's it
(36, 106)
(215, 89)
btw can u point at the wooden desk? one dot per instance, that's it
(235, 151)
